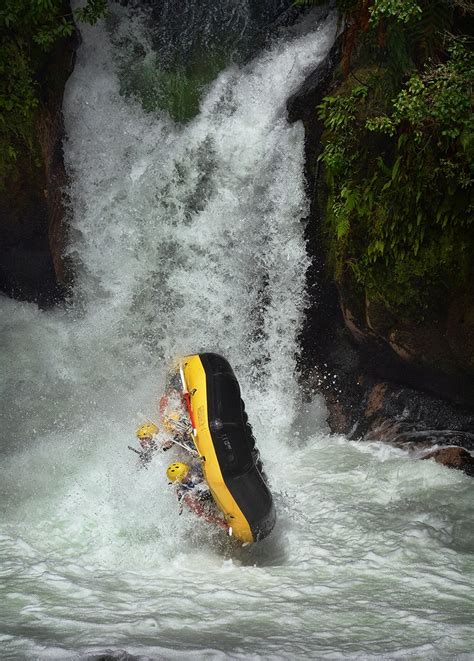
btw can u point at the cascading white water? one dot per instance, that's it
(186, 239)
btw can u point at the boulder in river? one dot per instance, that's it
(453, 458)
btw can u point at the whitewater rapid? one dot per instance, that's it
(188, 238)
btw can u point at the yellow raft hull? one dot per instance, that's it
(237, 486)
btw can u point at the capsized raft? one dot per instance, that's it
(224, 440)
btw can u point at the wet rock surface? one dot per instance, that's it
(434, 355)
(33, 208)
(457, 458)
(364, 407)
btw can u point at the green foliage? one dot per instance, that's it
(399, 173)
(18, 101)
(29, 30)
(91, 12)
(401, 10)
(441, 97)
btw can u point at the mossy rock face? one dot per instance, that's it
(33, 223)
(406, 295)
(405, 302)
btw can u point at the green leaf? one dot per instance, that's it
(396, 168)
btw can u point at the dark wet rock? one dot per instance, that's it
(338, 418)
(411, 411)
(392, 413)
(363, 405)
(460, 329)
(364, 408)
(436, 356)
(453, 458)
(33, 222)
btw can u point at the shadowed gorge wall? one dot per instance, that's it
(392, 262)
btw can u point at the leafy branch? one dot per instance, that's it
(399, 173)
(29, 30)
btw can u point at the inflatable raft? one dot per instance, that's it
(225, 443)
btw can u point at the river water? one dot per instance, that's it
(189, 237)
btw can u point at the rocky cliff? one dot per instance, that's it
(33, 206)
(398, 376)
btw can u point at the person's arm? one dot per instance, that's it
(196, 506)
(145, 458)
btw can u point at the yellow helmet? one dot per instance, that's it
(177, 471)
(146, 431)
